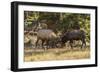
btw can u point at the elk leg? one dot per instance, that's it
(47, 43)
(37, 42)
(43, 44)
(71, 44)
(83, 42)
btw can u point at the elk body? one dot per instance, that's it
(74, 35)
(45, 35)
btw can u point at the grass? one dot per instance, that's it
(56, 54)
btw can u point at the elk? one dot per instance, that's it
(46, 35)
(74, 35)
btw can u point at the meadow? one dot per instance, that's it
(56, 54)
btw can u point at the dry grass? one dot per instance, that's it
(56, 54)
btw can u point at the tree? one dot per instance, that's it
(59, 21)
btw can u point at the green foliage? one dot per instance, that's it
(60, 21)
